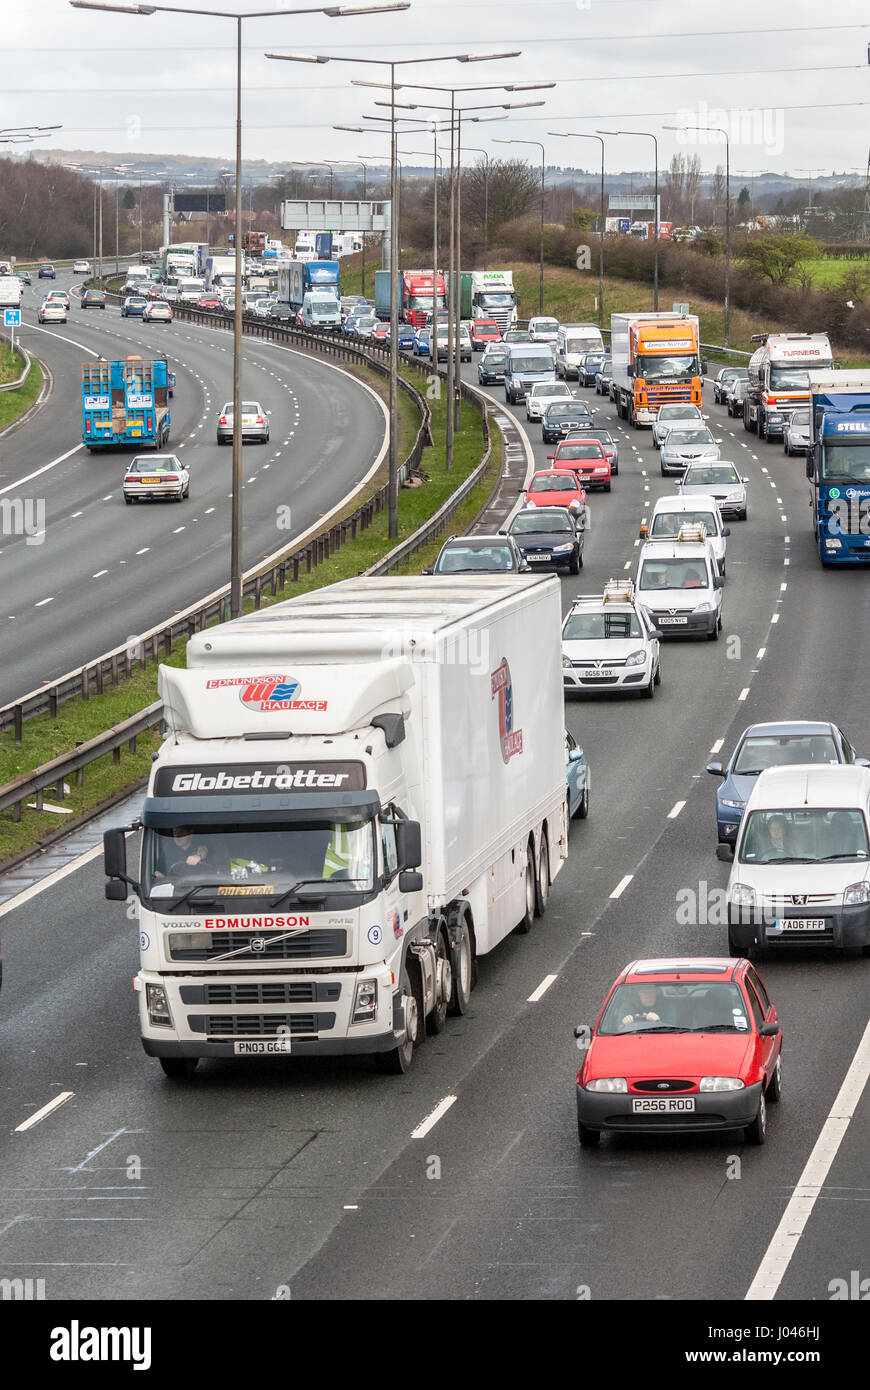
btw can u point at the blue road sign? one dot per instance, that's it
(11, 318)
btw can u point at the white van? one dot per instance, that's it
(573, 342)
(671, 514)
(320, 309)
(801, 871)
(679, 584)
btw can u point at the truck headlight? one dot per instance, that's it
(833, 544)
(608, 1083)
(636, 659)
(856, 893)
(721, 1083)
(158, 1006)
(365, 1001)
(742, 895)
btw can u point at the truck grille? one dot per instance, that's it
(258, 1025)
(313, 945)
(262, 992)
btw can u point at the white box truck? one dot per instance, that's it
(220, 272)
(493, 297)
(362, 791)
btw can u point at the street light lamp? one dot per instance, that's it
(648, 135)
(500, 141)
(393, 87)
(334, 12)
(718, 130)
(583, 135)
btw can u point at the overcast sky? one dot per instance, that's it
(789, 80)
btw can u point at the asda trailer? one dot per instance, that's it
(362, 792)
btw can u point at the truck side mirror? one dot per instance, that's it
(115, 853)
(409, 844)
(410, 881)
(629, 371)
(704, 366)
(810, 465)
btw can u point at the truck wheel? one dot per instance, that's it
(179, 1067)
(542, 884)
(462, 968)
(398, 1060)
(436, 1020)
(524, 926)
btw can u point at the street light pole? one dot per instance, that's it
(337, 12)
(499, 141)
(582, 135)
(648, 135)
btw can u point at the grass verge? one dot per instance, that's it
(13, 404)
(78, 721)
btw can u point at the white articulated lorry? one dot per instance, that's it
(362, 790)
(493, 297)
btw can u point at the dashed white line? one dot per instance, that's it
(621, 886)
(760, 653)
(432, 1119)
(60, 1099)
(717, 745)
(675, 810)
(99, 574)
(774, 617)
(782, 588)
(144, 550)
(744, 693)
(44, 601)
(777, 1257)
(542, 989)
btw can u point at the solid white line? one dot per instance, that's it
(432, 1119)
(621, 886)
(744, 692)
(12, 487)
(770, 1272)
(542, 989)
(50, 879)
(60, 1099)
(675, 810)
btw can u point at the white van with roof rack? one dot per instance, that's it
(671, 514)
(679, 582)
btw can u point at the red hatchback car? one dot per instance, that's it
(586, 458)
(483, 332)
(557, 488)
(681, 1045)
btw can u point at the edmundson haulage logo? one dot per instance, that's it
(267, 693)
(503, 691)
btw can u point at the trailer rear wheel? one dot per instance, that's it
(542, 885)
(524, 926)
(462, 968)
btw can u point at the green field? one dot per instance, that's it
(14, 403)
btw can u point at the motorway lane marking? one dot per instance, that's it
(75, 514)
(717, 745)
(99, 574)
(782, 588)
(787, 540)
(50, 879)
(43, 602)
(777, 1257)
(760, 653)
(744, 693)
(538, 993)
(144, 550)
(60, 1099)
(675, 810)
(774, 618)
(621, 886)
(433, 1117)
(44, 469)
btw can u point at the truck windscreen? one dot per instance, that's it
(498, 301)
(257, 859)
(846, 463)
(794, 378)
(666, 367)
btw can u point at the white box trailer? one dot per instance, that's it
(371, 783)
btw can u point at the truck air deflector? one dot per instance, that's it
(164, 812)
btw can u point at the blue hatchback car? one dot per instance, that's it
(577, 777)
(423, 342)
(773, 745)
